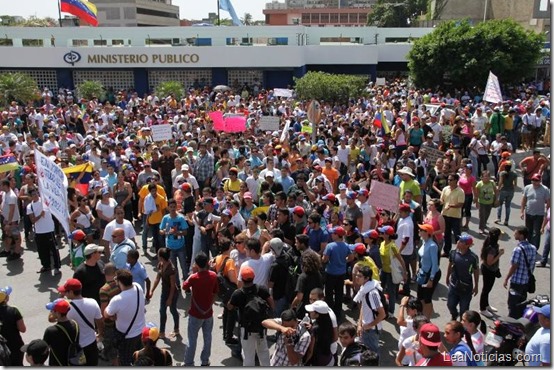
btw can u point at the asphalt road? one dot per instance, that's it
(32, 291)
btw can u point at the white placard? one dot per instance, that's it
(52, 186)
(269, 123)
(286, 93)
(380, 81)
(492, 90)
(161, 132)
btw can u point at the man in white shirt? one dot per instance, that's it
(188, 178)
(369, 220)
(86, 312)
(405, 240)
(260, 261)
(10, 223)
(123, 308)
(118, 223)
(43, 225)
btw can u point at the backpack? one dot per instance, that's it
(226, 288)
(5, 353)
(292, 272)
(384, 302)
(255, 311)
(75, 353)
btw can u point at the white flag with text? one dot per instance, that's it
(492, 91)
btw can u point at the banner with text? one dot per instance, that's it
(52, 185)
(492, 91)
(285, 93)
(384, 196)
(161, 132)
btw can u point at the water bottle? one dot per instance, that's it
(306, 319)
(100, 346)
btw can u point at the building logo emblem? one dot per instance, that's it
(72, 57)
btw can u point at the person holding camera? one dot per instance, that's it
(292, 343)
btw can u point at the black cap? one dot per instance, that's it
(36, 347)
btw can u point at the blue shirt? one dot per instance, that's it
(337, 252)
(139, 274)
(179, 223)
(429, 258)
(521, 275)
(316, 237)
(119, 254)
(287, 183)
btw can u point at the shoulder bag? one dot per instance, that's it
(395, 268)
(532, 284)
(119, 337)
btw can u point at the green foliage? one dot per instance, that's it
(32, 21)
(247, 19)
(396, 13)
(176, 88)
(17, 86)
(90, 89)
(466, 54)
(329, 87)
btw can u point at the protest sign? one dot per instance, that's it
(384, 196)
(432, 155)
(235, 123)
(217, 118)
(161, 132)
(380, 81)
(52, 186)
(286, 93)
(492, 90)
(269, 123)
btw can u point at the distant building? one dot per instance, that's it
(318, 13)
(137, 13)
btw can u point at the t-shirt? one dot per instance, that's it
(139, 274)
(539, 345)
(261, 268)
(337, 253)
(486, 192)
(204, 285)
(466, 184)
(405, 229)
(536, 199)
(305, 284)
(411, 185)
(127, 227)
(124, 305)
(59, 342)
(507, 180)
(92, 278)
(316, 237)
(178, 223)
(449, 197)
(8, 199)
(239, 296)
(91, 311)
(385, 252)
(44, 224)
(107, 209)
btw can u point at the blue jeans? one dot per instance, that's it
(546, 251)
(193, 328)
(504, 197)
(179, 254)
(452, 225)
(534, 224)
(172, 308)
(371, 339)
(156, 237)
(455, 299)
(145, 231)
(280, 305)
(389, 288)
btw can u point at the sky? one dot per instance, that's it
(188, 9)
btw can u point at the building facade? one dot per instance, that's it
(137, 13)
(141, 58)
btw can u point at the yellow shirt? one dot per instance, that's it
(412, 185)
(354, 153)
(143, 192)
(368, 261)
(232, 186)
(385, 252)
(161, 206)
(450, 197)
(508, 123)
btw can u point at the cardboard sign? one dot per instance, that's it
(235, 124)
(161, 132)
(269, 123)
(286, 93)
(384, 196)
(432, 155)
(217, 118)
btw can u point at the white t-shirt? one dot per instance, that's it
(90, 309)
(45, 224)
(405, 229)
(405, 333)
(368, 213)
(261, 268)
(124, 306)
(343, 154)
(8, 199)
(127, 226)
(107, 209)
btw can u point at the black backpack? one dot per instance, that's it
(226, 288)
(255, 311)
(75, 353)
(292, 272)
(384, 302)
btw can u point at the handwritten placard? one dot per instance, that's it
(286, 93)
(432, 155)
(269, 123)
(384, 196)
(161, 132)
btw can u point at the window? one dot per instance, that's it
(315, 17)
(6, 42)
(305, 18)
(44, 78)
(324, 18)
(80, 42)
(188, 77)
(101, 42)
(129, 13)
(334, 18)
(353, 18)
(344, 18)
(118, 42)
(118, 80)
(156, 13)
(113, 13)
(158, 42)
(33, 42)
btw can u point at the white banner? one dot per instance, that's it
(492, 91)
(286, 93)
(52, 185)
(161, 132)
(269, 123)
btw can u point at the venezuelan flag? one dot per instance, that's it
(385, 129)
(377, 120)
(82, 9)
(8, 163)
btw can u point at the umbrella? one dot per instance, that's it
(222, 88)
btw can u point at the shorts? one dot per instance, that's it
(426, 294)
(14, 232)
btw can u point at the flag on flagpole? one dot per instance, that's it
(492, 90)
(228, 7)
(82, 9)
(385, 129)
(377, 120)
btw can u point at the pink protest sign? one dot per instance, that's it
(235, 124)
(217, 118)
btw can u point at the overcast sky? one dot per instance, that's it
(188, 9)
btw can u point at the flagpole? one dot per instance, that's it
(218, 20)
(59, 14)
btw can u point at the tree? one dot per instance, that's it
(225, 22)
(32, 21)
(19, 87)
(167, 88)
(247, 19)
(91, 89)
(396, 13)
(329, 87)
(465, 54)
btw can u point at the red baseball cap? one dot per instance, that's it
(339, 230)
(372, 234)
(299, 211)
(70, 284)
(247, 273)
(404, 207)
(331, 197)
(360, 248)
(430, 335)
(536, 177)
(389, 230)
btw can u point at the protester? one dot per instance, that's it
(12, 327)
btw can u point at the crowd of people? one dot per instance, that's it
(279, 227)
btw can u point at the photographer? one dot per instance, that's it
(294, 341)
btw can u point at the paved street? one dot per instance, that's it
(32, 291)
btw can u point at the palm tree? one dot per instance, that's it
(247, 19)
(19, 87)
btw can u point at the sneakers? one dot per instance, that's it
(491, 309)
(540, 264)
(498, 221)
(487, 314)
